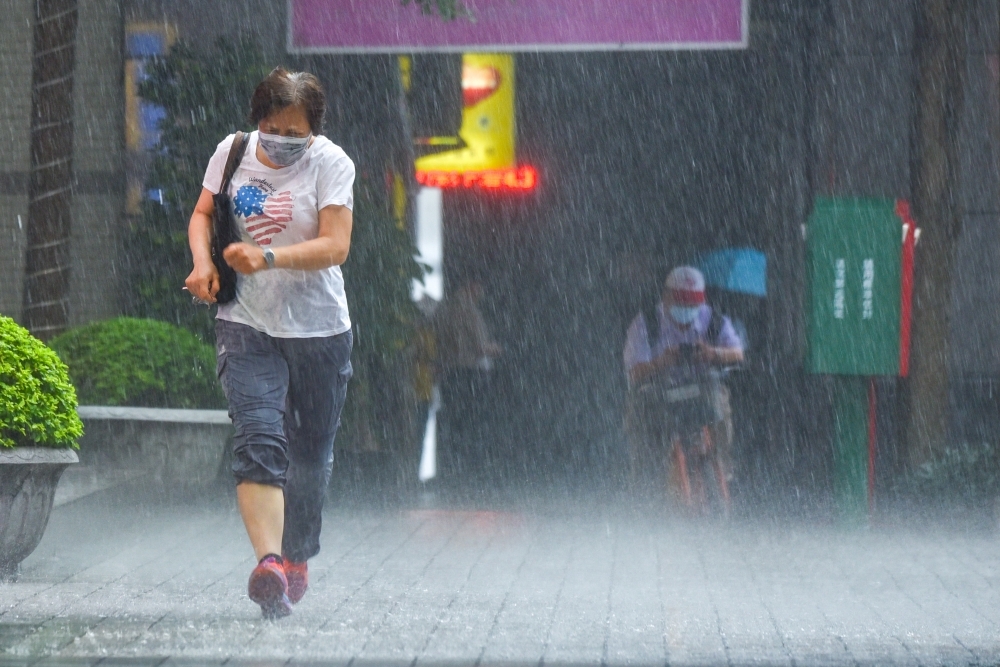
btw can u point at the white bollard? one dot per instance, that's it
(428, 455)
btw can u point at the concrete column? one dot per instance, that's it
(97, 284)
(15, 121)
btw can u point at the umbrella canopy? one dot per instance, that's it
(742, 270)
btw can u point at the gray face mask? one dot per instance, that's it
(283, 151)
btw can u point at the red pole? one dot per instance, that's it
(906, 286)
(872, 431)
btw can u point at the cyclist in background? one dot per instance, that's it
(655, 344)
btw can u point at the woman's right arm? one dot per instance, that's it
(203, 281)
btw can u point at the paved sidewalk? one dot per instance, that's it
(164, 583)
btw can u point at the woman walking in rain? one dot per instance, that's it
(284, 342)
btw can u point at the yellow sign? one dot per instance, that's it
(488, 126)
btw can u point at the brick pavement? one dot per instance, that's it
(163, 582)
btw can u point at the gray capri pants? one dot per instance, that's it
(285, 398)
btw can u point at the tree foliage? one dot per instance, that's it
(378, 275)
(205, 96)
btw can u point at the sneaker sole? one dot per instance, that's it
(268, 590)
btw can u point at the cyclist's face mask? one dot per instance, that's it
(283, 151)
(684, 314)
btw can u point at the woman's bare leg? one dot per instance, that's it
(263, 510)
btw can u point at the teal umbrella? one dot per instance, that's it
(742, 270)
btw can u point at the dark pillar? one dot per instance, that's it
(51, 186)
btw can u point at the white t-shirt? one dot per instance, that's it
(280, 207)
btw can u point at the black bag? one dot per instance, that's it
(224, 229)
(683, 400)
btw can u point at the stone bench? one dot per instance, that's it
(173, 447)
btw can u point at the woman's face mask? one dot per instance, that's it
(684, 314)
(283, 151)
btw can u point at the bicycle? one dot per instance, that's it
(687, 398)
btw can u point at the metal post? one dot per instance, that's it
(872, 444)
(850, 478)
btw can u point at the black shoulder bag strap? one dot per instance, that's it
(224, 229)
(652, 324)
(236, 151)
(715, 327)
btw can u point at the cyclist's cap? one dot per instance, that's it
(687, 286)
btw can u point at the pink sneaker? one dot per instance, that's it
(298, 579)
(268, 587)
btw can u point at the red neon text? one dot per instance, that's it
(521, 179)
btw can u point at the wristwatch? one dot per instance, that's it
(269, 258)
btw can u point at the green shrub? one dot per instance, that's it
(967, 474)
(130, 361)
(37, 401)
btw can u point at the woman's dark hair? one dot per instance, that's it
(281, 89)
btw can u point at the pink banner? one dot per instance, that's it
(386, 26)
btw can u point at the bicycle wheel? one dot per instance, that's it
(679, 474)
(713, 474)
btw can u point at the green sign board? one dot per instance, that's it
(854, 271)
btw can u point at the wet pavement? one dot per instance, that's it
(150, 580)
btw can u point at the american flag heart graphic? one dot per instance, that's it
(274, 218)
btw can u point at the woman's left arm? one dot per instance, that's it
(330, 247)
